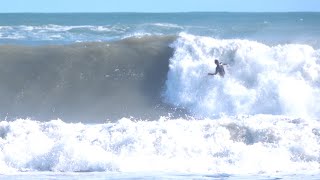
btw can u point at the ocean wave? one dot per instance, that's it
(260, 144)
(168, 25)
(149, 76)
(69, 34)
(83, 33)
(86, 81)
(282, 79)
(61, 28)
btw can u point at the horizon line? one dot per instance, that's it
(146, 12)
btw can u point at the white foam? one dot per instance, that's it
(234, 145)
(167, 25)
(53, 32)
(140, 35)
(283, 79)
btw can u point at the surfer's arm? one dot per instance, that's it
(215, 72)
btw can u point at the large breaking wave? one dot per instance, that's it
(88, 82)
(275, 88)
(282, 79)
(152, 76)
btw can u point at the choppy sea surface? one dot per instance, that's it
(127, 96)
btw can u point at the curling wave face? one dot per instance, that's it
(88, 82)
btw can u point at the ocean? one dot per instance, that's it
(128, 96)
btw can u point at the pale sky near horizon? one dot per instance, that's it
(159, 6)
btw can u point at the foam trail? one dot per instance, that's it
(282, 79)
(234, 145)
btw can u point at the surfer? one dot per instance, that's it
(219, 69)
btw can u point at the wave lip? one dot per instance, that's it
(66, 34)
(167, 25)
(30, 34)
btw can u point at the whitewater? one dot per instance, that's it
(282, 79)
(127, 96)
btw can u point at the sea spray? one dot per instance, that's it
(230, 144)
(282, 79)
(95, 70)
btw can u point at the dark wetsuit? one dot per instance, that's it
(220, 70)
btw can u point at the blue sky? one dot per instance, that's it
(158, 5)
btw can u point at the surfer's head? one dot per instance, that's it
(216, 61)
